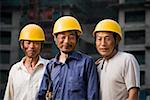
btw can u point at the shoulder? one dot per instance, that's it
(125, 55)
(83, 55)
(17, 64)
(98, 61)
(51, 61)
(44, 61)
(124, 59)
(127, 59)
(15, 67)
(87, 59)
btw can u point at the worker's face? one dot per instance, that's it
(105, 43)
(66, 41)
(31, 48)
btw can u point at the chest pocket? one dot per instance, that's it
(75, 85)
(75, 77)
(77, 89)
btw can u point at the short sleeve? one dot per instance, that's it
(132, 73)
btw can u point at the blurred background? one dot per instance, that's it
(133, 15)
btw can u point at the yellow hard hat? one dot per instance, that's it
(108, 25)
(32, 32)
(67, 23)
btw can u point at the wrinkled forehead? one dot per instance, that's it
(69, 32)
(31, 41)
(103, 34)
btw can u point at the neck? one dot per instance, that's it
(63, 57)
(31, 62)
(111, 55)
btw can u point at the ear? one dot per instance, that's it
(21, 44)
(117, 42)
(55, 39)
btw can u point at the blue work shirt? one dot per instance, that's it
(76, 79)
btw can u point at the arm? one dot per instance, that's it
(93, 86)
(133, 78)
(44, 84)
(133, 93)
(9, 93)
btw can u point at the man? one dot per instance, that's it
(119, 72)
(25, 76)
(72, 74)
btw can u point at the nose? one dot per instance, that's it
(31, 45)
(103, 41)
(66, 39)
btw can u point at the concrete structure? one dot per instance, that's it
(9, 29)
(134, 16)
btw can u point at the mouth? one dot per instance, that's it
(31, 52)
(103, 49)
(67, 46)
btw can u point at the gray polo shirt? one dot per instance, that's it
(118, 75)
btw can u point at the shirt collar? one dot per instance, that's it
(75, 55)
(72, 55)
(40, 62)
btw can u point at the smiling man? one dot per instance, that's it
(25, 76)
(72, 74)
(119, 72)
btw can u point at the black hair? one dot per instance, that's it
(116, 38)
(21, 42)
(76, 33)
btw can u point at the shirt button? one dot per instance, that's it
(60, 88)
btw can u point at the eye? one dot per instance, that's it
(108, 38)
(36, 43)
(99, 38)
(61, 36)
(27, 42)
(72, 37)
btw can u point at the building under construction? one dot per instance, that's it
(133, 15)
